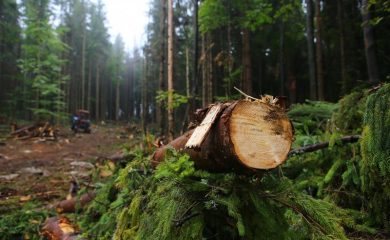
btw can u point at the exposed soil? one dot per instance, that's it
(35, 170)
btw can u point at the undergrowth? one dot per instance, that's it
(23, 223)
(375, 164)
(178, 201)
(351, 175)
(337, 193)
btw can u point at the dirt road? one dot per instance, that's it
(42, 170)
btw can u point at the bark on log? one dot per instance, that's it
(71, 205)
(247, 135)
(59, 229)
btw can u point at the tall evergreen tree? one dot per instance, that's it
(9, 49)
(41, 62)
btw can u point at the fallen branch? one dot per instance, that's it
(180, 222)
(322, 145)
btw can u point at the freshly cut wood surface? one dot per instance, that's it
(261, 134)
(200, 133)
(246, 135)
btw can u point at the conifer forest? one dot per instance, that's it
(226, 119)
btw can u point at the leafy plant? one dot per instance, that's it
(178, 99)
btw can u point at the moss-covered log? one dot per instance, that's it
(244, 135)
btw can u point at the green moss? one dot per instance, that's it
(375, 148)
(178, 201)
(349, 116)
(23, 223)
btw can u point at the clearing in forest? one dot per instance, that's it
(35, 170)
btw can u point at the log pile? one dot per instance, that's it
(43, 130)
(239, 136)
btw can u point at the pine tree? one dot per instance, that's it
(9, 49)
(41, 62)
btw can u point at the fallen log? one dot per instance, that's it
(75, 203)
(242, 135)
(59, 229)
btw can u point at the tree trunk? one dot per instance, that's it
(343, 65)
(230, 60)
(83, 69)
(89, 86)
(97, 93)
(131, 91)
(170, 71)
(144, 95)
(281, 60)
(246, 62)
(188, 72)
(161, 83)
(204, 72)
(117, 100)
(193, 93)
(209, 72)
(310, 49)
(243, 136)
(369, 44)
(320, 67)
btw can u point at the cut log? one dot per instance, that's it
(59, 229)
(247, 135)
(71, 205)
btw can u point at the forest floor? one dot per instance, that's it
(41, 171)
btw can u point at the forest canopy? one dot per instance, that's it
(57, 56)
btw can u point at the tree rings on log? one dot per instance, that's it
(261, 134)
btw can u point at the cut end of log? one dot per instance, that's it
(261, 134)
